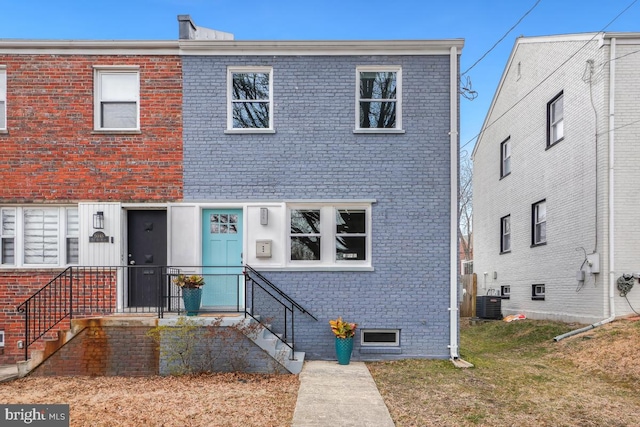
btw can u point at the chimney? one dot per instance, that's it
(187, 30)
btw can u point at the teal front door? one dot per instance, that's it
(222, 259)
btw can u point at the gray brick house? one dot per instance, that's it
(331, 168)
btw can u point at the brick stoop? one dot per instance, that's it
(50, 347)
(120, 345)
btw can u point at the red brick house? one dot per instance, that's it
(88, 130)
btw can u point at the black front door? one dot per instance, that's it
(147, 256)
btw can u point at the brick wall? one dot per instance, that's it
(104, 351)
(314, 155)
(564, 175)
(50, 152)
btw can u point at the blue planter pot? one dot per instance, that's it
(344, 347)
(191, 298)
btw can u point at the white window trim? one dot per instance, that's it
(538, 291)
(537, 240)
(236, 69)
(553, 124)
(3, 97)
(503, 234)
(97, 95)
(396, 343)
(505, 291)
(505, 157)
(379, 68)
(328, 237)
(18, 237)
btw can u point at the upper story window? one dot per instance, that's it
(505, 157)
(555, 120)
(39, 236)
(378, 98)
(539, 223)
(505, 234)
(117, 99)
(330, 235)
(250, 99)
(3, 98)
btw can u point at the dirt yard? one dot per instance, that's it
(216, 400)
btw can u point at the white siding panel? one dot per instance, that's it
(101, 254)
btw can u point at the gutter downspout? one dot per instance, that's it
(612, 279)
(453, 262)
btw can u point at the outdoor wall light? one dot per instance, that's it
(98, 220)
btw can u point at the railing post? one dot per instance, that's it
(293, 334)
(70, 293)
(26, 331)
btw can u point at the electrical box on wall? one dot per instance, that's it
(263, 248)
(593, 263)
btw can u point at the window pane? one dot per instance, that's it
(72, 250)
(557, 109)
(248, 115)
(351, 248)
(3, 122)
(119, 86)
(377, 85)
(350, 221)
(40, 236)
(305, 221)
(558, 131)
(541, 232)
(8, 251)
(8, 222)
(541, 212)
(119, 115)
(305, 248)
(251, 86)
(377, 114)
(73, 227)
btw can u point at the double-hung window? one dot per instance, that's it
(117, 99)
(39, 236)
(555, 120)
(505, 234)
(330, 236)
(378, 98)
(3, 98)
(539, 223)
(250, 99)
(505, 157)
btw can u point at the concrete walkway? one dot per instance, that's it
(333, 395)
(8, 372)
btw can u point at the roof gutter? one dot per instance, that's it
(612, 279)
(454, 153)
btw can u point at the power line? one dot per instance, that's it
(552, 73)
(502, 38)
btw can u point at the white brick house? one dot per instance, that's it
(556, 187)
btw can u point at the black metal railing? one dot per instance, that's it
(270, 306)
(96, 291)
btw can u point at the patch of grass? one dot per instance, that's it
(521, 377)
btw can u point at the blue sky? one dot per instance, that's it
(480, 22)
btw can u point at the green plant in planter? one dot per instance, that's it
(343, 329)
(191, 292)
(344, 332)
(189, 282)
